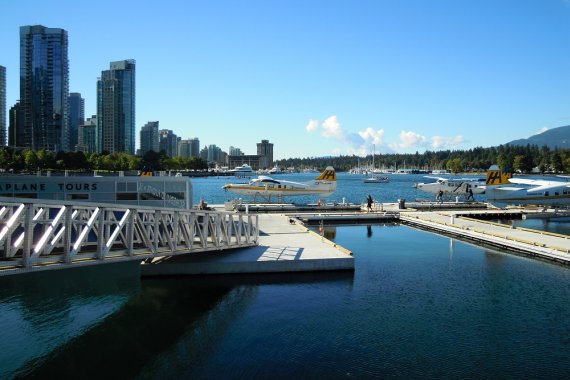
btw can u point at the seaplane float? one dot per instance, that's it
(266, 187)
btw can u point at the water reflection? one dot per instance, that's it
(169, 328)
(369, 231)
(44, 310)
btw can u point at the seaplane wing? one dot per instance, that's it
(536, 192)
(535, 182)
(266, 187)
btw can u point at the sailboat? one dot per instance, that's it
(373, 178)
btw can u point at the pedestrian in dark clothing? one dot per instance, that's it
(369, 202)
(470, 195)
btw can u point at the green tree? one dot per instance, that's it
(30, 159)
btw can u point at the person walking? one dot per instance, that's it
(369, 202)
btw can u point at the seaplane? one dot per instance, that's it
(266, 187)
(450, 186)
(503, 190)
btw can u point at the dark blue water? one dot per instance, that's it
(417, 306)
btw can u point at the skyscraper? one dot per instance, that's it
(265, 153)
(149, 137)
(2, 106)
(168, 142)
(116, 108)
(87, 136)
(44, 88)
(76, 117)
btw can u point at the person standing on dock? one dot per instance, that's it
(439, 196)
(369, 202)
(470, 195)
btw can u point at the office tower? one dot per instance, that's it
(116, 108)
(149, 137)
(76, 117)
(265, 153)
(15, 126)
(195, 147)
(2, 106)
(235, 151)
(44, 88)
(87, 136)
(168, 142)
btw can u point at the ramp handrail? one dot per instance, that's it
(40, 234)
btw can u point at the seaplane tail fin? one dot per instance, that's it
(496, 177)
(146, 172)
(328, 174)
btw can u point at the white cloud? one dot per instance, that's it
(332, 128)
(371, 136)
(440, 142)
(360, 143)
(409, 139)
(542, 130)
(312, 125)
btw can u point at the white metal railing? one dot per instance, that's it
(41, 234)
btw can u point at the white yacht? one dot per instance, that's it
(245, 169)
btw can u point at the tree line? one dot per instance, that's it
(28, 160)
(521, 159)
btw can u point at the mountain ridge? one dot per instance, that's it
(553, 138)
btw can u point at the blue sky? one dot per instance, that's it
(321, 77)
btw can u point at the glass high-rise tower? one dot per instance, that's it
(149, 137)
(2, 105)
(116, 108)
(44, 88)
(76, 117)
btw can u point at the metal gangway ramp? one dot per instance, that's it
(43, 234)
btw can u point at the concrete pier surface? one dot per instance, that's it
(546, 245)
(284, 246)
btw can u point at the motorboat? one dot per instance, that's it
(243, 170)
(376, 179)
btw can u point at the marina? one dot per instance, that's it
(394, 286)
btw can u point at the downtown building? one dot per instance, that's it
(116, 108)
(149, 137)
(76, 118)
(168, 142)
(189, 147)
(2, 106)
(262, 160)
(87, 136)
(43, 121)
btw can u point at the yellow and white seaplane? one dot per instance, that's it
(451, 186)
(266, 187)
(503, 190)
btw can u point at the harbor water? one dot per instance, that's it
(418, 305)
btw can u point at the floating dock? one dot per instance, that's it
(541, 244)
(284, 246)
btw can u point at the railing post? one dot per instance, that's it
(156, 231)
(130, 232)
(67, 232)
(101, 233)
(28, 237)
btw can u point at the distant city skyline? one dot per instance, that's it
(322, 78)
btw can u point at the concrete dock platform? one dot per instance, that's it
(284, 246)
(542, 244)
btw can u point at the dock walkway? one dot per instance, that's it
(537, 243)
(284, 246)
